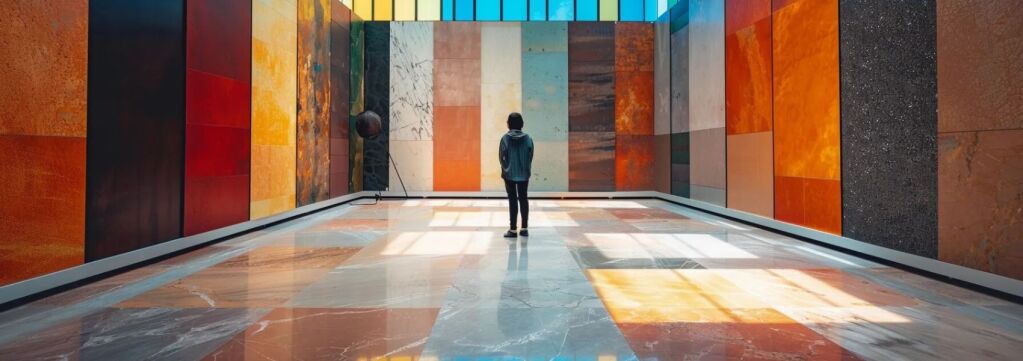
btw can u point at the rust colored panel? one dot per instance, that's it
(980, 65)
(313, 114)
(456, 148)
(634, 46)
(634, 102)
(634, 162)
(748, 102)
(43, 207)
(806, 101)
(740, 14)
(813, 203)
(980, 193)
(45, 46)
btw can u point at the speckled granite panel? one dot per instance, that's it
(680, 80)
(662, 79)
(889, 124)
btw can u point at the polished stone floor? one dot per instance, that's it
(434, 280)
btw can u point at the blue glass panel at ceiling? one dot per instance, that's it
(447, 10)
(630, 10)
(560, 10)
(650, 10)
(538, 10)
(464, 10)
(488, 10)
(514, 10)
(586, 10)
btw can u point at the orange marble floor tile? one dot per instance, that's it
(634, 161)
(806, 94)
(732, 341)
(351, 224)
(748, 83)
(333, 334)
(287, 257)
(456, 148)
(814, 203)
(226, 287)
(666, 295)
(814, 288)
(42, 212)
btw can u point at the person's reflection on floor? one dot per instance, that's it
(514, 313)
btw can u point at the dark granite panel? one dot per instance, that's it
(680, 184)
(356, 100)
(591, 96)
(378, 93)
(591, 41)
(591, 161)
(136, 112)
(340, 84)
(889, 124)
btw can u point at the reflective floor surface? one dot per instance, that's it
(434, 280)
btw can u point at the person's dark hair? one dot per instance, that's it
(515, 121)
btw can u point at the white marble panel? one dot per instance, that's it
(411, 103)
(414, 159)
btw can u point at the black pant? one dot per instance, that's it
(517, 198)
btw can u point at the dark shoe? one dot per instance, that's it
(510, 234)
(524, 233)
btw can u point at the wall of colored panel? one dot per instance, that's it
(456, 97)
(357, 101)
(545, 101)
(411, 104)
(662, 107)
(500, 93)
(749, 106)
(42, 137)
(136, 126)
(980, 135)
(313, 112)
(634, 106)
(591, 104)
(707, 100)
(806, 114)
(217, 114)
(340, 94)
(889, 124)
(377, 87)
(274, 100)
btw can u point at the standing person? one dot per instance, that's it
(516, 161)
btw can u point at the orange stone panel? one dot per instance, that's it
(751, 173)
(740, 14)
(634, 46)
(748, 102)
(812, 203)
(806, 102)
(42, 212)
(456, 148)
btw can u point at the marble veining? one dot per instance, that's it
(411, 67)
(434, 279)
